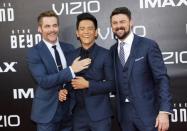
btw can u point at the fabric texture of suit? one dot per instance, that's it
(100, 77)
(147, 80)
(49, 80)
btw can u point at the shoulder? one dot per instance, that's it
(36, 47)
(113, 47)
(102, 52)
(66, 45)
(101, 49)
(146, 41)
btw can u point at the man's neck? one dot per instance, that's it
(87, 46)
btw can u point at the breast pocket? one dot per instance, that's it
(140, 64)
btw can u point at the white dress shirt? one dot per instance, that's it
(127, 46)
(62, 57)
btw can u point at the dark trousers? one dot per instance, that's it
(131, 121)
(82, 122)
(53, 127)
(58, 123)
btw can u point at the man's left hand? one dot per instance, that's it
(80, 83)
(162, 121)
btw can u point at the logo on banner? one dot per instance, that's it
(23, 93)
(161, 3)
(7, 13)
(177, 57)
(179, 112)
(105, 34)
(23, 39)
(78, 7)
(9, 120)
(8, 67)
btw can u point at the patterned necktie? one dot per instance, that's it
(57, 57)
(122, 54)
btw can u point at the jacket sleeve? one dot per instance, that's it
(39, 72)
(160, 77)
(105, 85)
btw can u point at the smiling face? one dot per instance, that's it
(87, 33)
(121, 25)
(49, 29)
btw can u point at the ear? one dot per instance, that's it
(131, 23)
(96, 33)
(77, 33)
(39, 29)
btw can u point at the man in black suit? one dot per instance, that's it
(91, 87)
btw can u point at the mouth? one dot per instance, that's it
(52, 34)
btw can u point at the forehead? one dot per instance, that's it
(119, 17)
(49, 20)
(86, 23)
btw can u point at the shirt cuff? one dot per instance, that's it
(72, 73)
(169, 113)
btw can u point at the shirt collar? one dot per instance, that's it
(89, 49)
(49, 45)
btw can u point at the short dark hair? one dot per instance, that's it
(121, 10)
(86, 16)
(49, 13)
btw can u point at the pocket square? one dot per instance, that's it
(139, 59)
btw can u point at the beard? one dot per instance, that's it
(122, 36)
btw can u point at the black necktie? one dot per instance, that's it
(57, 57)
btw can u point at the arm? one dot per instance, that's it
(161, 79)
(97, 86)
(48, 80)
(40, 73)
(160, 76)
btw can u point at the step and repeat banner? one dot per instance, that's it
(164, 21)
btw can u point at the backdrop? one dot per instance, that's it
(164, 21)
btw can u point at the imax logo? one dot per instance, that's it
(161, 3)
(7, 13)
(71, 8)
(23, 94)
(8, 67)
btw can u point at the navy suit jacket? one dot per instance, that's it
(147, 79)
(100, 77)
(43, 69)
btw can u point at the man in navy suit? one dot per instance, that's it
(90, 96)
(47, 63)
(142, 83)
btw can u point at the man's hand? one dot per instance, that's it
(79, 65)
(62, 95)
(79, 83)
(162, 121)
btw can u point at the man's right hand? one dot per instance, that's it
(79, 65)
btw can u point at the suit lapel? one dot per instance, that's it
(47, 58)
(94, 52)
(114, 53)
(133, 54)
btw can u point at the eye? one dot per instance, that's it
(81, 28)
(55, 25)
(114, 22)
